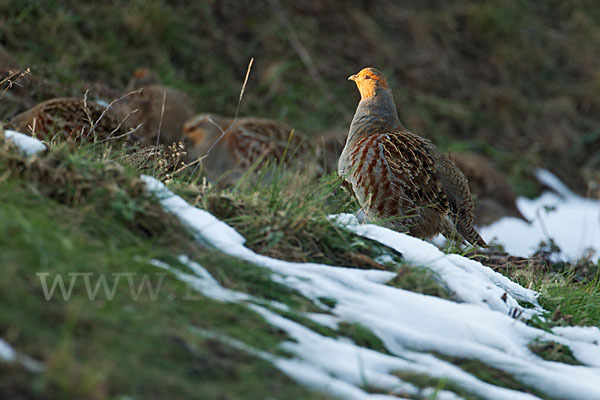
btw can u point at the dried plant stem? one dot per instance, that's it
(162, 116)
(12, 78)
(237, 110)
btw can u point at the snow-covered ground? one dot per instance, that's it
(487, 324)
(573, 222)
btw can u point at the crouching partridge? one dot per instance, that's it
(494, 196)
(72, 118)
(161, 110)
(399, 176)
(246, 141)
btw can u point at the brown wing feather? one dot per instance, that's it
(252, 139)
(415, 170)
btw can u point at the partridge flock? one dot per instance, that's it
(399, 176)
(394, 174)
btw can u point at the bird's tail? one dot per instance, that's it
(462, 231)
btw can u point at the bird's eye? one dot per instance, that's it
(367, 77)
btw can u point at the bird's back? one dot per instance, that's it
(251, 139)
(69, 117)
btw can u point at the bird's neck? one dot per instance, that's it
(377, 110)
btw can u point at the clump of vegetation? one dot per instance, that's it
(424, 381)
(420, 280)
(552, 351)
(285, 214)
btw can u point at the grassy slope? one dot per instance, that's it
(515, 80)
(144, 348)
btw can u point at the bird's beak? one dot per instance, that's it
(352, 78)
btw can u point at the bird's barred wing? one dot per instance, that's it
(413, 169)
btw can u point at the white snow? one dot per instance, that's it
(26, 144)
(573, 222)
(410, 325)
(8, 354)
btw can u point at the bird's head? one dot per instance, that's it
(143, 77)
(203, 130)
(369, 80)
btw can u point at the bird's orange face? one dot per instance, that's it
(203, 130)
(195, 128)
(368, 81)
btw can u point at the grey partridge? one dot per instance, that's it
(494, 196)
(71, 118)
(247, 140)
(178, 108)
(401, 177)
(141, 78)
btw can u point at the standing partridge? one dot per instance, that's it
(246, 141)
(71, 118)
(494, 197)
(399, 176)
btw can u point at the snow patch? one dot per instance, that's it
(573, 222)
(26, 144)
(8, 354)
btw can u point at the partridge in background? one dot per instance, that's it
(247, 141)
(71, 118)
(178, 108)
(397, 175)
(494, 197)
(329, 148)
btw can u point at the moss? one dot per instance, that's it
(420, 280)
(552, 351)
(362, 336)
(490, 374)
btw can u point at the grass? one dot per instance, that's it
(284, 214)
(425, 381)
(569, 292)
(552, 351)
(577, 304)
(80, 210)
(477, 368)
(489, 374)
(362, 336)
(420, 280)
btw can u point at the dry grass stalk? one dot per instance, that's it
(12, 79)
